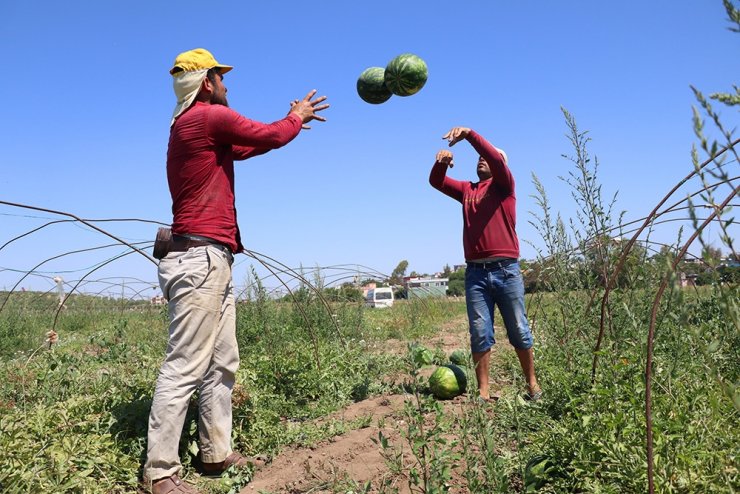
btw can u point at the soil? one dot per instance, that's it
(347, 463)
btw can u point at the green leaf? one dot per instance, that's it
(193, 448)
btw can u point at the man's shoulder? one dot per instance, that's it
(220, 110)
(218, 116)
(200, 109)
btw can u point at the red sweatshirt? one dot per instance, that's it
(204, 142)
(488, 207)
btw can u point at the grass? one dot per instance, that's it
(73, 418)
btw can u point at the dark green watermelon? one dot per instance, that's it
(371, 86)
(406, 74)
(459, 357)
(443, 383)
(460, 375)
(448, 381)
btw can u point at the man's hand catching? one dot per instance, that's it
(445, 157)
(456, 135)
(306, 108)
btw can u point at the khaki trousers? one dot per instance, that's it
(202, 354)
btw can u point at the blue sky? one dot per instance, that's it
(89, 100)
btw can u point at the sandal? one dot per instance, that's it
(491, 399)
(172, 485)
(234, 459)
(536, 396)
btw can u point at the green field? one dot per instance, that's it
(73, 418)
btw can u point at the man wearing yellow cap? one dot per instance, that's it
(195, 274)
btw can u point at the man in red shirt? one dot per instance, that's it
(195, 275)
(491, 246)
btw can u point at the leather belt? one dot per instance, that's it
(492, 264)
(181, 243)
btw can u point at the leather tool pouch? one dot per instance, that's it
(163, 242)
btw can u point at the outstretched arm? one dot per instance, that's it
(500, 172)
(249, 138)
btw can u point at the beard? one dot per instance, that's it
(219, 99)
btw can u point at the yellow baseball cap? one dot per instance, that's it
(197, 59)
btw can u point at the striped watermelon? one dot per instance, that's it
(406, 74)
(371, 86)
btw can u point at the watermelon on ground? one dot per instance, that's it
(371, 86)
(406, 74)
(459, 357)
(461, 374)
(447, 382)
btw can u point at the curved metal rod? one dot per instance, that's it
(84, 222)
(628, 248)
(314, 338)
(651, 335)
(73, 221)
(28, 273)
(56, 315)
(318, 293)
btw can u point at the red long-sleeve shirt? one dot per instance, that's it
(488, 207)
(204, 142)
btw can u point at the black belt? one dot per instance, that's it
(181, 243)
(492, 264)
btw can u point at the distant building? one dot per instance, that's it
(693, 260)
(418, 287)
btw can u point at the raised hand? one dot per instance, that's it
(445, 157)
(456, 135)
(307, 108)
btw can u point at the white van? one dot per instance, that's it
(379, 297)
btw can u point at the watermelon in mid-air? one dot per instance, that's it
(371, 86)
(406, 74)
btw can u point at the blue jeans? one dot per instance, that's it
(490, 285)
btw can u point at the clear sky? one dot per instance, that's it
(89, 98)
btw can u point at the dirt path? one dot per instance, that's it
(331, 463)
(349, 461)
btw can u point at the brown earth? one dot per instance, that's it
(347, 463)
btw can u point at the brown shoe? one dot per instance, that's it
(173, 485)
(234, 459)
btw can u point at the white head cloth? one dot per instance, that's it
(503, 154)
(187, 85)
